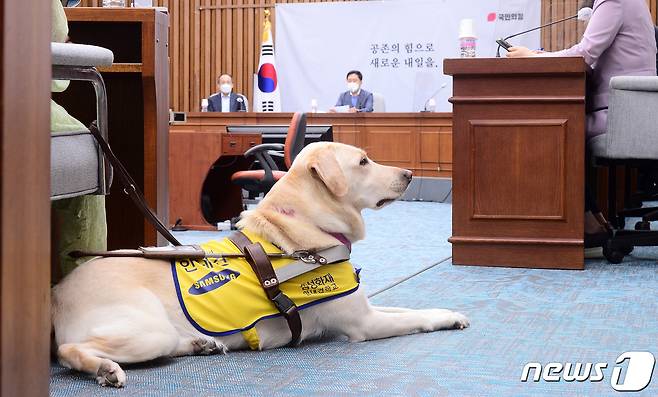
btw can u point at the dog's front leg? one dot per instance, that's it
(359, 321)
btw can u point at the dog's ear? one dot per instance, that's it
(325, 166)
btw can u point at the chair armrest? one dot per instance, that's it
(262, 154)
(634, 83)
(70, 54)
(264, 147)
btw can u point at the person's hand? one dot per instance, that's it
(352, 110)
(519, 52)
(332, 110)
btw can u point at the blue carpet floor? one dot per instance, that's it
(517, 316)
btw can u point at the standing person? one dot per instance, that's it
(619, 41)
(226, 100)
(358, 99)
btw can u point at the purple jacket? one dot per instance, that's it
(619, 41)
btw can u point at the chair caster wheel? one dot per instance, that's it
(642, 225)
(612, 254)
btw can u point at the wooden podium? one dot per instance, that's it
(518, 161)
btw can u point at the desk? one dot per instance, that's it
(519, 145)
(421, 142)
(138, 96)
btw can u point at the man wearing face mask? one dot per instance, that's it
(359, 100)
(225, 100)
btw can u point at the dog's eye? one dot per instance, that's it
(363, 161)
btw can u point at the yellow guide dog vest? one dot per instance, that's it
(223, 296)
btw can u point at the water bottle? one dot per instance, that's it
(467, 39)
(314, 105)
(204, 105)
(114, 3)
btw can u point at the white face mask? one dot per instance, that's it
(226, 88)
(353, 87)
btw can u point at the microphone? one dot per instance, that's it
(584, 14)
(432, 97)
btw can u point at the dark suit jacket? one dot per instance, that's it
(237, 103)
(363, 103)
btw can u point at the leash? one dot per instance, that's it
(304, 260)
(130, 187)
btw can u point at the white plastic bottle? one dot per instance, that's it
(467, 39)
(314, 105)
(204, 105)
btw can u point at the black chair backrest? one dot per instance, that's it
(295, 138)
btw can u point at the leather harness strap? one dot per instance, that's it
(240, 240)
(260, 263)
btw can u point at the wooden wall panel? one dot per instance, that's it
(210, 37)
(566, 34)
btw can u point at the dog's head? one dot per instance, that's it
(347, 175)
(322, 195)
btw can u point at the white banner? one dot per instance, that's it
(398, 45)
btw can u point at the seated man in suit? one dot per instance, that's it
(357, 99)
(226, 100)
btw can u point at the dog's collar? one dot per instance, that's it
(341, 237)
(338, 236)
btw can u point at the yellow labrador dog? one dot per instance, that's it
(125, 310)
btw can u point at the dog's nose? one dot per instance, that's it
(407, 174)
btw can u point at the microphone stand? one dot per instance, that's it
(530, 30)
(433, 95)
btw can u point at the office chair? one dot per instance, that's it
(260, 181)
(78, 167)
(631, 139)
(378, 102)
(647, 175)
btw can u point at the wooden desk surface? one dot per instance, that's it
(116, 14)
(421, 142)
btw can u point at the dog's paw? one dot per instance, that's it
(460, 321)
(204, 347)
(110, 374)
